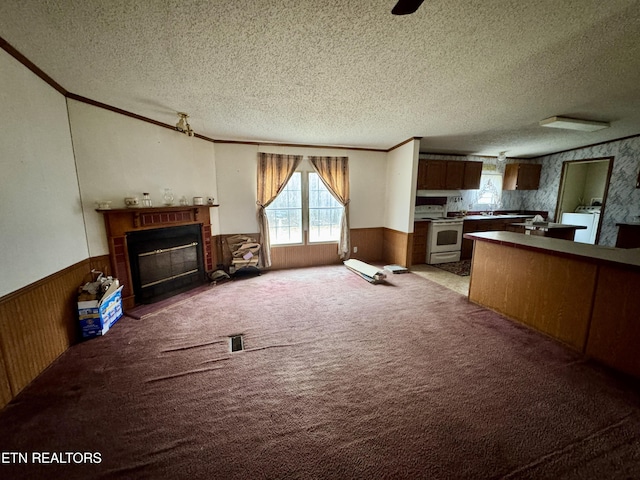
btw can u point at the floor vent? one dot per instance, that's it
(236, 342)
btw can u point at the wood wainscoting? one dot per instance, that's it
(296, 256)
(368, 240)
(38, 323)
(397, 247)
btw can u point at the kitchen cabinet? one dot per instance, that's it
(521, 176)
(488, 225)
(419, 253)
(432, 174)
(454, 176)
(448, 175)
(628, 235)
(472, 174)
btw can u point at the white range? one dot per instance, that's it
(444, 238)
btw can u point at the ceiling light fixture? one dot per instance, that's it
(574, 124)
(183, 125)
(502, 157)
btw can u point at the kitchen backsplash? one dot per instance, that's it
(623, 199)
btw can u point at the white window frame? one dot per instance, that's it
(304, 179)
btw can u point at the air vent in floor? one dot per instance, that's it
(236, 343)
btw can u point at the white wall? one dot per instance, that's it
(596, 180)
(42, 229)
(236, 165)
(402, 170)
(118, 156)
(237, 169)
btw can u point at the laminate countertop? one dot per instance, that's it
(496, 217)
(627, 257)
(549, 226)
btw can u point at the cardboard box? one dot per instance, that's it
(97, 317)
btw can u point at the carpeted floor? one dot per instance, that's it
(339, 378)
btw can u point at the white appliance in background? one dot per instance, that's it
(444, 238)
(585, 215)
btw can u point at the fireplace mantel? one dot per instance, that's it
(120, 221)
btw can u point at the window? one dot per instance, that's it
(304, 204)
(325, 212)
(490, 192)
(285, 213)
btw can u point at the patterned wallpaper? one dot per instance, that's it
(623, 199)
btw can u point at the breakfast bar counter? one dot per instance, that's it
(584, 295)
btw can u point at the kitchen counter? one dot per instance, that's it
(628, 258)
(495, 217)
(553, 230)
(487, 223)
(583, 295)
(549, 226)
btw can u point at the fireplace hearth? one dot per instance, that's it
(165, 261)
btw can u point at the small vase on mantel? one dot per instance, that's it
(167, 198)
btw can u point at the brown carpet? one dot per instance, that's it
(340, 379)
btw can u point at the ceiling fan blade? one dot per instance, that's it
(405, 7)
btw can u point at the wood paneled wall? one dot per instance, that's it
(368, 240)
(614, 336)
(549, 293)
(304, 255)
(396, 247)
(38, 323)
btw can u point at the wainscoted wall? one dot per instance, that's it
(304, 255)
(368, 240)
(623, 199)
(38, 323)
(395, 247)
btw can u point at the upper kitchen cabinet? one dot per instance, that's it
(472, 174)
(521, 176)
(455, 175)
(432, 174)
(448, 175)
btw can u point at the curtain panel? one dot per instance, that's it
(274, 171)
(334, 173)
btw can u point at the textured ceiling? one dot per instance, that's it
(471, 77)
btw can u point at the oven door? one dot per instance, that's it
(445, 237)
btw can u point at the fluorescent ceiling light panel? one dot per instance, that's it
(573, 124)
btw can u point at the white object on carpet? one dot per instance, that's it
(368, 272)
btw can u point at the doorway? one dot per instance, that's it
(584, 183)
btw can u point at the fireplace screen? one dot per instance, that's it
(165, 261)
(163, 265)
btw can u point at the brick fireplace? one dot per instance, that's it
(128, 227)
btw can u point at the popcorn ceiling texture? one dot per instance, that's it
(469, 77)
